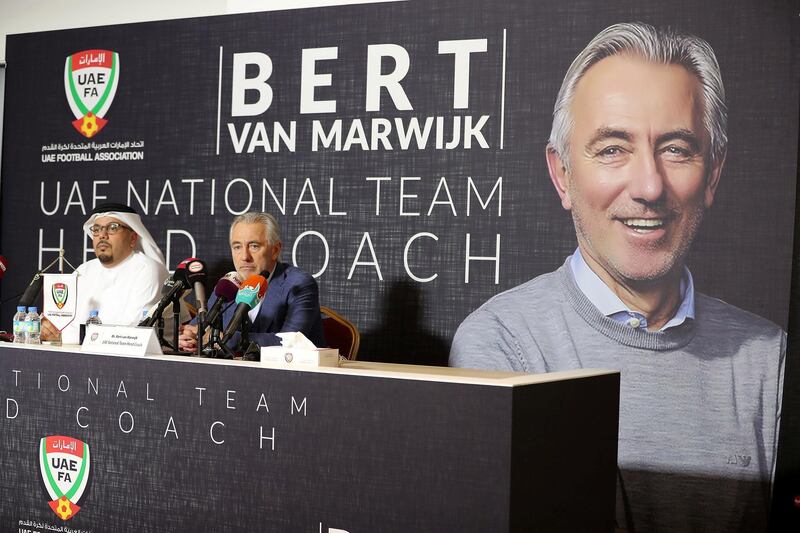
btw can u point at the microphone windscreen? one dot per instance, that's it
(226, 290)
(252, 290)
(31, 294)
(258, 283)
(234, 277)
(196, 271)
(179, 276)
(3, 266)
(167, 286)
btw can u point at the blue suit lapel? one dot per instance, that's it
(271, 303)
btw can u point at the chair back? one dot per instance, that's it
(340, 333)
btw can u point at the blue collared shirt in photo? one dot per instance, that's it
(611, 306)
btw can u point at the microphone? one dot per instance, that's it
(173, 285)
(225, 290)
(250, 295)
(31, 294)
(3, 264)
(196, 276)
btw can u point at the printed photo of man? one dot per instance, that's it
(636, 154)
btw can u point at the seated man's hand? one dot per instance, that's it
(49, 332)
(187, 340)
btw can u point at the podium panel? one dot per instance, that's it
(177, 444)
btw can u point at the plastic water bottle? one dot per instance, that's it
(93, 318)
(20, 325)
(33, 326)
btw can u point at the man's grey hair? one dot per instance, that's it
(657, 45)
(255, 217)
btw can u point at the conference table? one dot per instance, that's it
(95, 443)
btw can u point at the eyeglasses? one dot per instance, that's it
(111, 229)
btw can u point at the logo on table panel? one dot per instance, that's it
(64, 464)
(60, 294)
(90, 80)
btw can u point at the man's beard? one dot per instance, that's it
(107, 256)
(674, 258)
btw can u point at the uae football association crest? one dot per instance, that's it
(90, 80)
(64, 463)
(60, 294)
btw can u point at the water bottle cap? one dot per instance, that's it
(20, 309)
(33, 309)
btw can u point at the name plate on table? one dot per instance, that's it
(287, 357)
(131, 341)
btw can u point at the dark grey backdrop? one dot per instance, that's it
(167, 97)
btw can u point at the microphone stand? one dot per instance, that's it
(200, 328)
(245, 344)
(244, 329)
(158, 317)
(252, 353)
(214, 337)
(223, 352)
(216, 329)
(160, 331)
(228, 354)
(176, 320)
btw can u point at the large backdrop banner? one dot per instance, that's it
(401, 147)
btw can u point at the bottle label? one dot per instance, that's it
(18, 325)
(34, 326)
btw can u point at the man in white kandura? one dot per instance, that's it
(126, 276)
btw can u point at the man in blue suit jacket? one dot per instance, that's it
(292, 299)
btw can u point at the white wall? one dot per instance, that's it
(24, 16)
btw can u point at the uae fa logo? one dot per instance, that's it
(60, 294)
(64, 465)
(90, 81)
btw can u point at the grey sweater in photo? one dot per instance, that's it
(699, 403)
